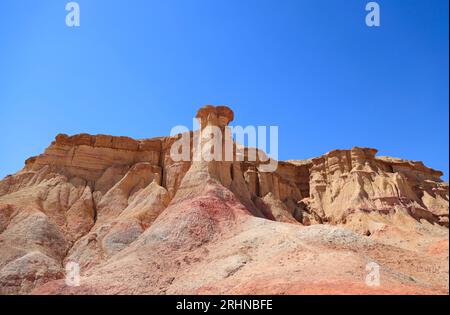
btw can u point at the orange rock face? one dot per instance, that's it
(138, 222)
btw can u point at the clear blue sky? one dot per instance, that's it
(140, 67)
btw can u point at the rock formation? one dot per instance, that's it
(138, 222)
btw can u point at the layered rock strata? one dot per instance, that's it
(100, 200)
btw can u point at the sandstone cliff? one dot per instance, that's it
(138, 222)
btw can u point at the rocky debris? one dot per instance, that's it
(136, 221)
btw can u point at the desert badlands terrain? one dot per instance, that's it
(137, 222)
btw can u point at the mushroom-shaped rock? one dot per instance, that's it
(210, 115)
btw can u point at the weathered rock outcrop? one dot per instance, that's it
(123, 207)
(348, 182)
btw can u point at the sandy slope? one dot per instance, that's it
(220, 248)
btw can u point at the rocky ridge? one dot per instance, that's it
(138, 222)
